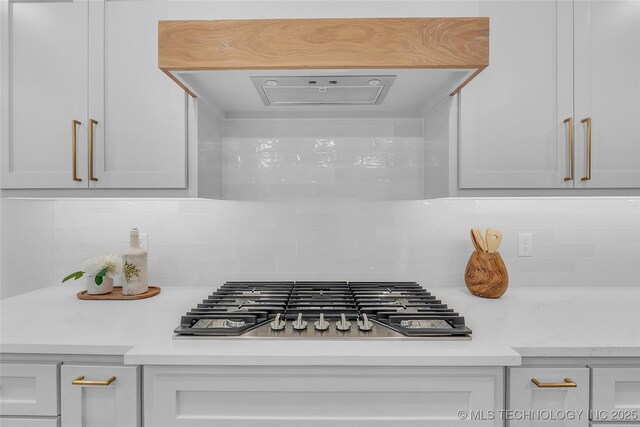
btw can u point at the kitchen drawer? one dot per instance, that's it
(100, 395)
(615, 393)
(523, 395)
(339, 396)
(599, 424)
(29, 422)
(28, 389)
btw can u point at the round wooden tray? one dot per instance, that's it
(116, 294)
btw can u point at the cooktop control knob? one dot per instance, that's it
(343, 325)
(406, 323)
(365, 324)
(321, 325)
(299, 324)
(235, 323)
(278, 324)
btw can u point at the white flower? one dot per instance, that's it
(94, 265)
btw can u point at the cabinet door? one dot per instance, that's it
(29, 389)
(43, 90)
(512, 129)
(280, 396)
(140, 134)
(614, 425)
(607, 90)
(541, 402)
(114, 405)
(615, 394)
(29, 422)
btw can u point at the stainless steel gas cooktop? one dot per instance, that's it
(316, 310)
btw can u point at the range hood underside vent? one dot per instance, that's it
(322, 90)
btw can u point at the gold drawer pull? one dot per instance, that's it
(81, 381)
(568, 382)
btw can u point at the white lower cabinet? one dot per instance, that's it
(614, 425)
(615, 394)
(53, 394)
(90, 397)
(29, 422)
(29, 389)
(320, 396)
(561, 397)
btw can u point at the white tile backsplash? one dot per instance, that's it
(199, 242)
(381, 158)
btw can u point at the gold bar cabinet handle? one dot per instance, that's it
(568, 382)
(571, 156)
(81, 381)
(91, 124)
(74, 151)
(587, 177)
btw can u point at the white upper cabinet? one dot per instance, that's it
(44, 89)
(95, 62)
(549, 62)
(512, 130)
(140, 114)
(607, 91)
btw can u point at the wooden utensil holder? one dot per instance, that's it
(486, 275)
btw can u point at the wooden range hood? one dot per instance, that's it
(189, 48)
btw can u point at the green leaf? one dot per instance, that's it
(75, 276)
(100, 276)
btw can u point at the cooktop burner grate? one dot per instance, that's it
(322, 310)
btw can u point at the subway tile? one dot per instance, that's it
(197, 242)
(264, 250)
(325, 250)
(547, 265)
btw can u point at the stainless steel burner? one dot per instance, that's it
(323, 310)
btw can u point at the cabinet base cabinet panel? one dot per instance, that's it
(319, 396)
(29, 389)
(552, 402)
(599, 424)
(105, 396)
(615, 393)
(29, 422)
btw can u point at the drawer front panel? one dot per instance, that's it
(599, 424)
(29, 422)
(548, 404)
(100, 395)
(336, 396)
(29, 389)
(615, 394)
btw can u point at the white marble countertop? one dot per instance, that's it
(542, 321)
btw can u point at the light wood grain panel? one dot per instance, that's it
(324, 44)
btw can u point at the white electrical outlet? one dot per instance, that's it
(144, 241)
(525, 244)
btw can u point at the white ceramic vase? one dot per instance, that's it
(134, 260)
(104, 288)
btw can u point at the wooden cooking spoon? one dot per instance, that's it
(479, 239)
(493, 238)
(473, 240)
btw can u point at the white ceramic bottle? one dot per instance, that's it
(134, 267)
